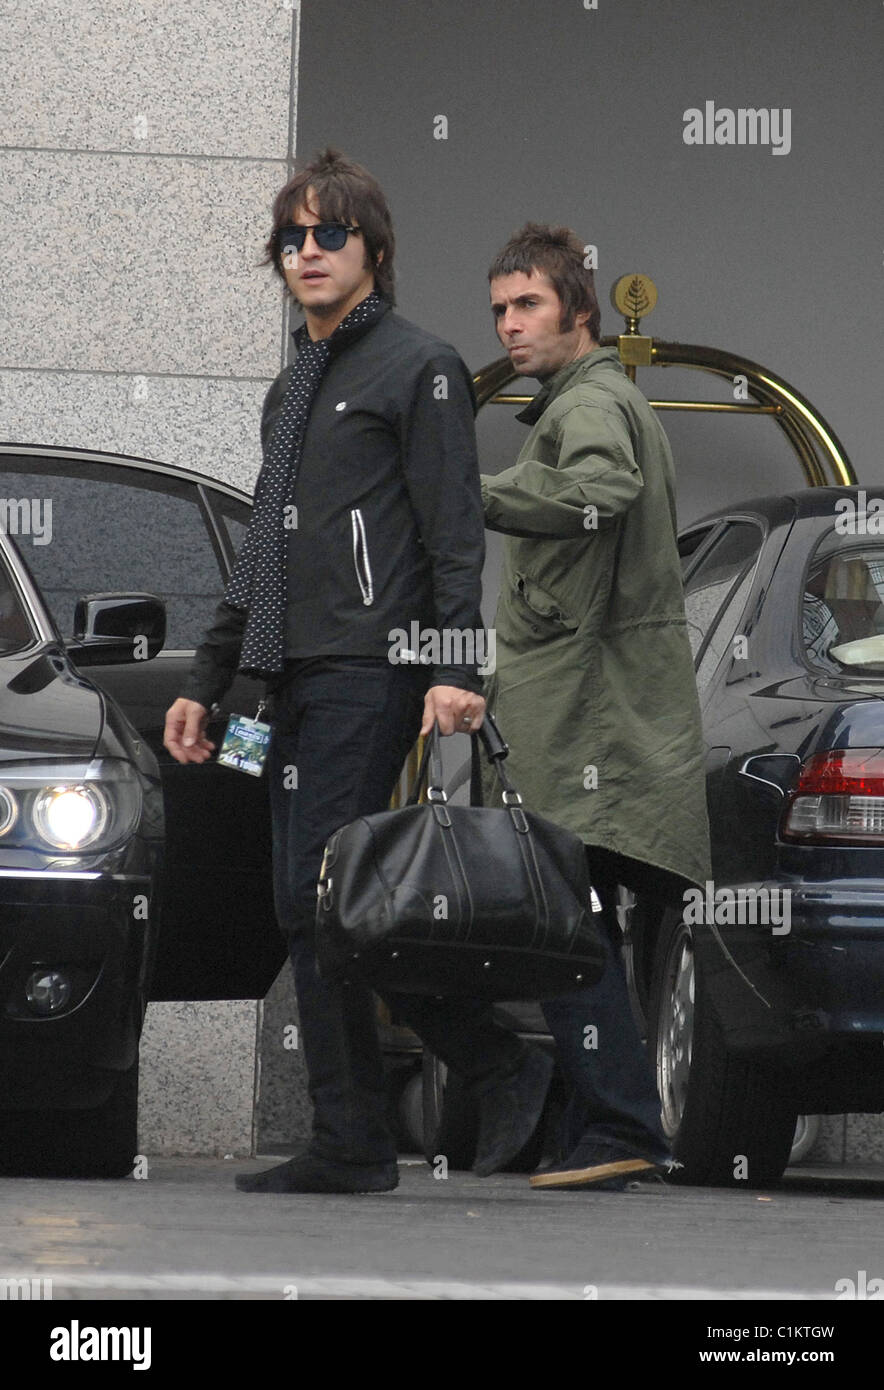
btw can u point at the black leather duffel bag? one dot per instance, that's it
(493, 902)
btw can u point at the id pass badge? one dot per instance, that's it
(245, 745)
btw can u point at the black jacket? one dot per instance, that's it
(390, 523)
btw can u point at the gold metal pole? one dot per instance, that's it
(503, 398)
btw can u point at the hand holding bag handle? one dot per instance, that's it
(496, 749)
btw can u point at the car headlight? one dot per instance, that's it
(69, 806)
(70, 817)
(8, 810)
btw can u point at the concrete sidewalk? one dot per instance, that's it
(184, 1232)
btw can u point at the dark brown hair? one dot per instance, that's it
(558, 253)
(345, 192)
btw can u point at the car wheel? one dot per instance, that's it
(96, 1143)
(450, 1115)
(410, 1114)
(725, 1118)
(451, 1122)
(807, 1132)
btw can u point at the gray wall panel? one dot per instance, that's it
(561, 113)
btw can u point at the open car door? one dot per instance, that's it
(134, 526)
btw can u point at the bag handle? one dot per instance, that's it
(431, 760)
(495, 744)
(496, 750)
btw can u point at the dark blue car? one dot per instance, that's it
(764, 994)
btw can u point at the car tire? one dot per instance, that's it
(726, 1119)
(450, 1115)
(451, 1122)
(410, 1114)
(807, 1132)
(97, 1143)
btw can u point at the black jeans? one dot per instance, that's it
(342, 728)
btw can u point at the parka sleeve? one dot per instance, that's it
(597, 478)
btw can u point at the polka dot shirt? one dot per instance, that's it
(258, 581)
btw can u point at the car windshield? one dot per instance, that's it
(15, 629)
(843, 605)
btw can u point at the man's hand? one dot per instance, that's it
(458, 711)
(185, 732)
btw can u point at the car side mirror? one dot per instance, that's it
(111, 629)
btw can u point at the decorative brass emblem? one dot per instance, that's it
(634, 296)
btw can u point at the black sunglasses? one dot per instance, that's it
(329, 236)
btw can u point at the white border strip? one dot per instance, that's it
(290, 1286)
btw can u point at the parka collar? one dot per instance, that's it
(577, 370)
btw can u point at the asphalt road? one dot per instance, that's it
(183, 1232)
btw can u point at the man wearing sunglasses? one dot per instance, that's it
(367, 518)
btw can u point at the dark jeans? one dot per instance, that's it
(342, 728)
(612, 1092)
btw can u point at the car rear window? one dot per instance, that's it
(723, 567)
(842, 612)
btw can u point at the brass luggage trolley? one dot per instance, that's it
(634, 296)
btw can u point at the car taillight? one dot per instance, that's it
(839, 796)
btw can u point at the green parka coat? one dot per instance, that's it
(594, 682)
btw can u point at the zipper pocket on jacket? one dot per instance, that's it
(361, 561)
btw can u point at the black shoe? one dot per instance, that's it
(308, 1173)
(603, 1166)
(510, 1112)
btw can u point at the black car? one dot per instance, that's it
(764, 995)
(123, 876)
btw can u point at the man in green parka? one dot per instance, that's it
(594, 685)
